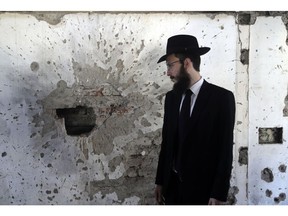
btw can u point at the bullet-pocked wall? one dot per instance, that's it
(81, 97)
(268, 121)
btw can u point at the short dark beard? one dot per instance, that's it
(183, 81)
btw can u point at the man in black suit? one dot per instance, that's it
(195, 160)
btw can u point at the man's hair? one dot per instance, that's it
(196, 60)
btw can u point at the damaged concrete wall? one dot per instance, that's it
(81, 99)
(268, 82)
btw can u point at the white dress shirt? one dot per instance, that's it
(195, 89)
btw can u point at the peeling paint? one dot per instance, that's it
(53, 18)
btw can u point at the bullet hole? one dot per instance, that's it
(285, 110)
(281, 197)
(55, 191)
(51, 198)
(79, 120)
(270, 135)
(268, 193)
(276, 200)
(243, 156)
(48, 192)
(244, 57)
(4, 154)
(282, 168)
(34, 66)
(42, 155)
(267, 175)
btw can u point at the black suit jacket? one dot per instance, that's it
(207, 152)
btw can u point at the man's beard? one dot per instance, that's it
(183, 81)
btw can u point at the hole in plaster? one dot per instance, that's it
(231, 199)
(276, 200)
(268, 193)
(244, 57)
(270, 135)
(243, 156)
(34, 66)
(285, 110)
(281, 197)
(267, 175)
(282, 168)
(79, 120)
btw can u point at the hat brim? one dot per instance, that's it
(198, 51)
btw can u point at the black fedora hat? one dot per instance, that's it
(183, 44)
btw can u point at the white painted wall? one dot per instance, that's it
(268, 82)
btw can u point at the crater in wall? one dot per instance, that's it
(78, 121)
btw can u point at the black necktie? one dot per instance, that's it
(184, 114)
(183, 126)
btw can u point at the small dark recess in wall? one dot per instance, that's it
(78, 121)
(271, 135)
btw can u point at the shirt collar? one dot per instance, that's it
(196, 87)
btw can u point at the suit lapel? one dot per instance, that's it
(201, 102)
(176, 106)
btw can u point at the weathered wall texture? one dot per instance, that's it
(81, 99)
(268, 83)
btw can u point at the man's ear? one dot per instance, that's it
(187, 63)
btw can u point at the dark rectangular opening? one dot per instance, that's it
(270, 135)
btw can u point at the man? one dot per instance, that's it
(196, 154)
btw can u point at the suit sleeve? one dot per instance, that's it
(162, 159)
(225, 142)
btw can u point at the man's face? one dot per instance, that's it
(173, 67)
(177, 73)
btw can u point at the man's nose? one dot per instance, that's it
(168, 73)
